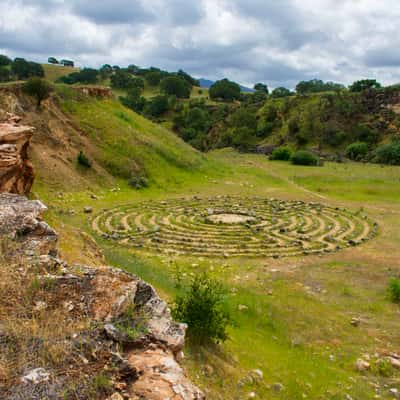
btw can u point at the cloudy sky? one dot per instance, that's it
(275, 41)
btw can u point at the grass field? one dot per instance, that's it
(53, 72)
(297, 325)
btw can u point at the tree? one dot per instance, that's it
(244, 118)
(134, 100)
(281, 92)
(133, 69)
(23, 69)
(225, 90)
(188, 78)
(5, 75)
(4, 60)
(39, 88)
(105, 71)
(157, 106)
(153, 78)
(85, 76)
(124, 80)
(364, 84)
(261, 87)
(174, 85)
(317, 86)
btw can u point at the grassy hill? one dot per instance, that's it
(53, 72)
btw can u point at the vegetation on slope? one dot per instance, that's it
(128, 145)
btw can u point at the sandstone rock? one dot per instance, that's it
(16, 171)
(116, 396)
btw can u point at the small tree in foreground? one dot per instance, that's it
(201, 307)
(38, 88)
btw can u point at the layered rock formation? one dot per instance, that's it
(131, 335)
(16, 172)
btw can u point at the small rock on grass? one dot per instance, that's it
(36, 376)
(362, 365)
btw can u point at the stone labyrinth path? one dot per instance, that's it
(227, 226)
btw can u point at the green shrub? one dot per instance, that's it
(38, 88)
(357, 151)
(304, 157)
(201, 307)
(138, 182)
(281, 153)
(101, 383)
(388, 154)
(83, 160)
(394, 290)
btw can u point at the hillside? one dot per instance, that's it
(120, 144)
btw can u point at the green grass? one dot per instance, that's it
(53, 72)
(129, 144)
(297, 326)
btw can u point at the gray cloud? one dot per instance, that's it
(112, 12)
(246, 40)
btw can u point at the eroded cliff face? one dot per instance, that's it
(16, 172)
(127, 330)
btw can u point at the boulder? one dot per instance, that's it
(16, 171)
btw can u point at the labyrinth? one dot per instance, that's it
(227, 226)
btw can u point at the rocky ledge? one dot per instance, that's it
(131, 335)
(16, 172)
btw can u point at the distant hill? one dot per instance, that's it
(206, 83)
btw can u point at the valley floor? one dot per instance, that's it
(296, 326)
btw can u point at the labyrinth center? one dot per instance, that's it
(228, 227)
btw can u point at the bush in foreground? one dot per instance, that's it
(281, 153)
(394, 290)
(201, 307)
(304, 157)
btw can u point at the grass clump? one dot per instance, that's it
(282, 153)
(202, 307)
(304, 157)
(394, 290)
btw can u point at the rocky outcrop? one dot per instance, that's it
(132, 334)
(16, 172)
(94, 91)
